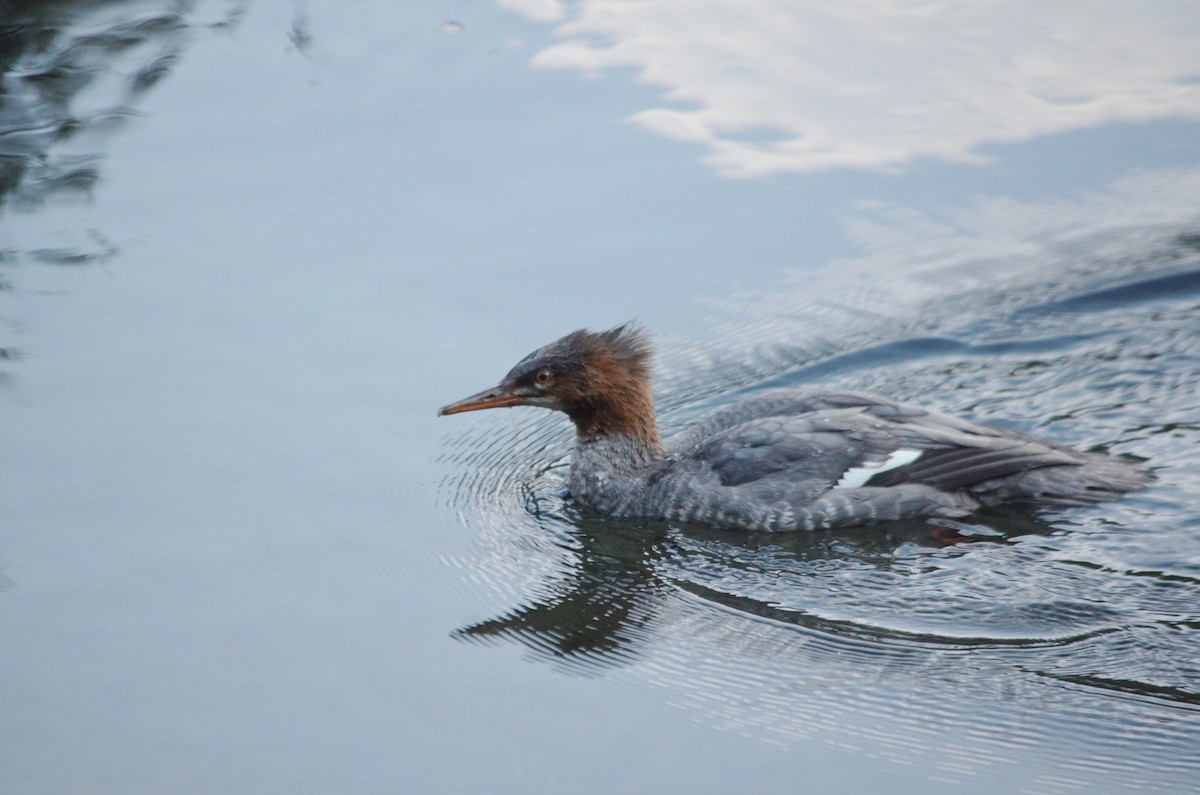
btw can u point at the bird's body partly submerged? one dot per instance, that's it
(784, 460)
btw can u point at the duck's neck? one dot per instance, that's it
(616, 446)
(624, 420)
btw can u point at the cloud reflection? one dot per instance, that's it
(770, 86)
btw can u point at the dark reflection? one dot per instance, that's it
(300, 35)
(67, 79)
(601, 610)
(46, 67)
(1174, 695)
(597, 613)
(51, 55)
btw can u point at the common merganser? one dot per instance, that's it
(783, 460)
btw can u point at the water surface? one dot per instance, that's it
(247, 249)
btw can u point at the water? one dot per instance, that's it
(247, 249)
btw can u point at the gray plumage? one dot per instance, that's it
(773, 463)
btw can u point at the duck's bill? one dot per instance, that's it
(494, 398)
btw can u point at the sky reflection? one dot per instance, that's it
(768, 86)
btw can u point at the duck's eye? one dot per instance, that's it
(543, 377)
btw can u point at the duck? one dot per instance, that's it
(784, 460)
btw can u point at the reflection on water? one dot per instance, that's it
(71, 74)
(598, 613)
(700, 617)
(932, 651)
(773, 86)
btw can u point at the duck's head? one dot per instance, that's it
(601, 380)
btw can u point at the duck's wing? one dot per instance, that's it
(881, 444)
(806, 472)
(841, 466)
(798, 403)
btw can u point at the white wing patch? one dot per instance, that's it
(857, 476)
